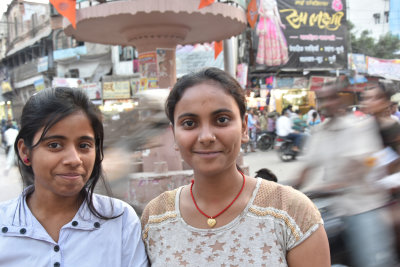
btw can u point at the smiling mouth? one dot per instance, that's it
(207, 153)
(70, 176)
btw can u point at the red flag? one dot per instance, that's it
(67, 8)
(204, 3)
(218, 47)
(252, 13)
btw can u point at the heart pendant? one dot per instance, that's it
(211, 222)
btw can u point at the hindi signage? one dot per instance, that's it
(314, 34)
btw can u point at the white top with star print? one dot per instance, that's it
(276, 219)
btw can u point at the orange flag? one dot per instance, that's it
(204, 3)
(252, 13)
(218, 47)
(67, 9)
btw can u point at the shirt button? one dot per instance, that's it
(56, 248)
(97, 225)
(4, 229)
(57, 264)
(74, 223)
(22, 231)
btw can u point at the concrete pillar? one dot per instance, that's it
(230, 56)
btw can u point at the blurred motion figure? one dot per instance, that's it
(345, 148)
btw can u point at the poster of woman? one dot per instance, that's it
(272, 46)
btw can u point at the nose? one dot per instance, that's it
(206, 135)
(72, 157)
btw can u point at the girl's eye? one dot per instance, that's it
(223, 120)
(188, 124)
(85, 145)
(54, 145)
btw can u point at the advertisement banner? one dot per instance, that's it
(66, 82)
(148, 64)
(302, 34)
(39, 84)
(6, 87)
(164, 64)
(358, 63)
(291, 83)
(93, 90)
(116, 90)
(135, 85)
(194, 58)
(316, 82)
(42, 64)
(387, 68)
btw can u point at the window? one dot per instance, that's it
(386, 14)
(377, 18)
(126, 53)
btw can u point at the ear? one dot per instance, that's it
(23, 151)
(245, 135)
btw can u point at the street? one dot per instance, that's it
(11, 185)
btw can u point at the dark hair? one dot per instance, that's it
(266, 174)
(42, 111)
(314, 114)
(220, 77)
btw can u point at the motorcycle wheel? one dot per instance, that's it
(265, 142)
(285, 152)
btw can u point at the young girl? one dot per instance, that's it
(58, 220)
(224, 218)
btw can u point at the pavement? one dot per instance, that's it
(11, 184)
(286, 172)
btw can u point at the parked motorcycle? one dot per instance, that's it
(284, 147)
(266, 140)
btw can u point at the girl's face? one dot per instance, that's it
(63, 161)
(208, 128)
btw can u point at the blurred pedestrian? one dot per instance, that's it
(10, 135)
(395, 114)
(345, 148)
(252, 130)
(314, 120)
(284, 128)
(225, 217)
(59, 220)
(272, 117)
(263, 119)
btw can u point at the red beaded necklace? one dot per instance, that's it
(211, 219)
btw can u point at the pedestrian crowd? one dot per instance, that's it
(223, 217)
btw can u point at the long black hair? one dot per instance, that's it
(42, 111)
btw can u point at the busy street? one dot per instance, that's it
(139, 133)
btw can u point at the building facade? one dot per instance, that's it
(370, 15)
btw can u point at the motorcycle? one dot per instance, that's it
(284, 146)
(266, 140)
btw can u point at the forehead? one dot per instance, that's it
(205, 94)
(77, 121)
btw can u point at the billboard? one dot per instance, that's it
(302, 34)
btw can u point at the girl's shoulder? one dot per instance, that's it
(284, 201)
(109, 206)
(164, 203)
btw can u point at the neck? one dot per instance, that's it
(214, 188)
(48, 203)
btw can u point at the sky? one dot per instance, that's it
(4, 4)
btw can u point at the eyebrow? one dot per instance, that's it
(85, 137)
(188, 114)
